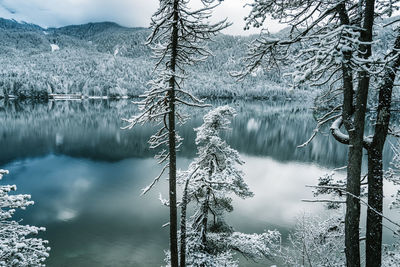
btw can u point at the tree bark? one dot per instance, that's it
(355, 130)
(172, 142)
(356, 134)
(183, 225)
(204, 221)
(352, 218)
(348, 91)
(373, 247)
(375, 200)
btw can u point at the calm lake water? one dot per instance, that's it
(85, 174)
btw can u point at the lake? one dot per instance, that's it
(85, 174)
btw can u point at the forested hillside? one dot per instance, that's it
(105, 59)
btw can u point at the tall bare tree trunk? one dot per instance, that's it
(352, 219)
(375, 168)
(356, 134)
(172, 143)
(375, 201)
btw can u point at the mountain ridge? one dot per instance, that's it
(107, 59)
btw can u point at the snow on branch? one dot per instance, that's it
(164, 202)
(337, 134)
(344, 138)
(18, 247)
(210, 181)
(318, 43)
(315, 241)
(360, 199)
(150, 186)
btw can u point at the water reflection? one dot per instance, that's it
(93, 211)
(91, 129)
(85, 175)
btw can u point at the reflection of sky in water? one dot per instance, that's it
(95, 216)
(93, 210)
(279, 188)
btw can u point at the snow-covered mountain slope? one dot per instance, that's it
(107, 59)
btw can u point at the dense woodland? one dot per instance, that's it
(105, 59)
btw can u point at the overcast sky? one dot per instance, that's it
(131, 13)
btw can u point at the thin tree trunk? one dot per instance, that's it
(204, 221)
(172, 143)
(373, 247)
(183, 225)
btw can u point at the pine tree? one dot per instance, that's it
(178, 39)
(210, 181)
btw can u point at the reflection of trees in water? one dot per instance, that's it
(91, 129)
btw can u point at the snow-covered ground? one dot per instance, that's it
(54, 47)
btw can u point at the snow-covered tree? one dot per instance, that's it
(178, 39)
(330, 46)
(316, 241)
(319, 241)
(210, 182)
(17, 246)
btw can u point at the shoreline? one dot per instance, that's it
(79, 97)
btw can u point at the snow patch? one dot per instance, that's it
(54, 47)
(257, 72)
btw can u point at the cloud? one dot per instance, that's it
(131, 13)
(50, 13)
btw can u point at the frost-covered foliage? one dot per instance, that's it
(316, 242)
(223, 243)
(175, 45)
(323, 37)
(391, 255)
(333, 187)
(215, 167)
(210, 182)
(179, 39)
(17, 247)
(84, 63)
(393, 174)
(331, 46)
